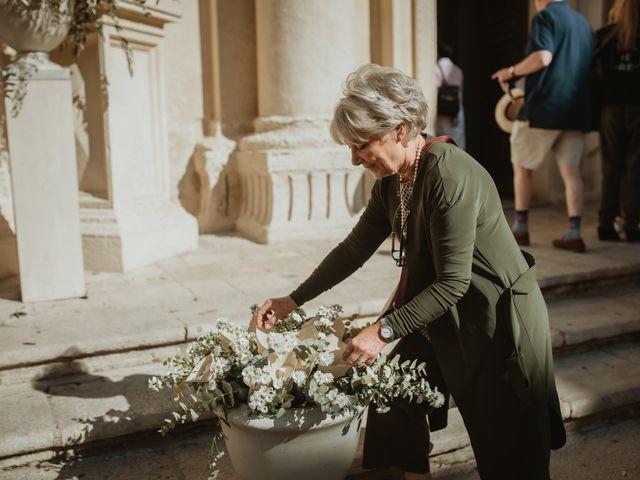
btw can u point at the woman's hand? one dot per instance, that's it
(365, 347)
(273, 310)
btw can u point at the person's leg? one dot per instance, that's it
(632, 201)
(529, 148)
(574, 190)
(522, 187)
(612, 145)
(406, 422)
(569, 150)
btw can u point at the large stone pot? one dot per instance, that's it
(39, 27)
(303, 444)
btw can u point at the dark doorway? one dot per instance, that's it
(485, 36)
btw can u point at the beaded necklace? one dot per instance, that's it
(406, 189)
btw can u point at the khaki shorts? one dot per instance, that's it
(530, 146)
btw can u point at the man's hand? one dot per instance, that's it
(365, 347)
(273, 310)
(503, 75)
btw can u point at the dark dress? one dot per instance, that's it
(477, 295)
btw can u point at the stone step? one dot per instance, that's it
(586, 321)
(596, 279)
(70, 412)
(576, 323)
(183, 456)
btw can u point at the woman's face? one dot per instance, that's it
(382, 157)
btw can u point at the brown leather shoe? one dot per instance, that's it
(522, 238)
(574, 244)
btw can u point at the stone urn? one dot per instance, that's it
(39, 27)
(303, 444)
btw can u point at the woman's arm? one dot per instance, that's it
(350, 254)
(372, 229)
(453, 201)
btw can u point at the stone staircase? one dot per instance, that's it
(92, 396)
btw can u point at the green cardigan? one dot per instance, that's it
(466, 274)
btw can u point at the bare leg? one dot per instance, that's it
(417, 476)
(522, 186)
(573, 188)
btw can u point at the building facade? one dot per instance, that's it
(223, 126)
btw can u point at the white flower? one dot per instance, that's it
(219, 366)
(338, 398)
(322, 378)
(325, 358)
(260, 399)
(254, 377)
(323, 322)
(296, 317)
(277, 383)
(282, 342)
(369, 377)
(299, 377)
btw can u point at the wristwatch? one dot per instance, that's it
(386, 331)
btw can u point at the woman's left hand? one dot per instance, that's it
(364, 347)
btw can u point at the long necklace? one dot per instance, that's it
(406, 190)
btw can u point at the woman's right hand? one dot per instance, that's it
(273, 310)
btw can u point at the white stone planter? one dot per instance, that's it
(37, 28)
(303, 444)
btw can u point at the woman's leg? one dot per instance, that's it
(400, 437)
(612, 144)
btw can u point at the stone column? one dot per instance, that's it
(204, 190)
(393, 35)
(425, 38)
(405, 36)
(295, 181)
(127, 216)
(44, 186)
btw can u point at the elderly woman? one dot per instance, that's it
(471, 306)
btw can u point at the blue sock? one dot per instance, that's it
(521, 223)
(574, 227)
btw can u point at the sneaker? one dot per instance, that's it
(608, 234)
(522, 238)
(573, 244)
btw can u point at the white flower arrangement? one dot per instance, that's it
(296, 364)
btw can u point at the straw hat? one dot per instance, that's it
(507, 108)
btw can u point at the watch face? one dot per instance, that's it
(386, 332)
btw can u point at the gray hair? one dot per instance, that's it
(375, 101)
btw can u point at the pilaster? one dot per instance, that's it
(127, 216)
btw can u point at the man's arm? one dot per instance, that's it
(534, 62)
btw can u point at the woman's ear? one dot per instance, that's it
(401, 134)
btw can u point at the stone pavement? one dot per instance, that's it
(174, 300)
(73, 373)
